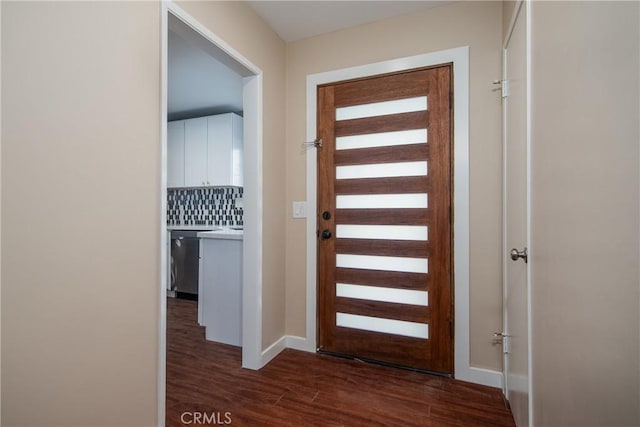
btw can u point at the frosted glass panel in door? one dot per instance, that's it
(382, 139)
(378, 293)
(382, 170)
(383, 263)
(383, 108)
(385, 232)
(382, 201)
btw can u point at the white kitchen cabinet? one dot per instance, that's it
(205, 151)
(195, 152)
(225, 136)
(175, 154)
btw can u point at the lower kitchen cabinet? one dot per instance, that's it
(220, 287)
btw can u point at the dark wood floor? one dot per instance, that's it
(304, 389)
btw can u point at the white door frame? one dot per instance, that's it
(505, 248)
(252, 197)
(460, 59)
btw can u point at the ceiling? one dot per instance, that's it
(204, 80)
(199, 83)
(295, 20)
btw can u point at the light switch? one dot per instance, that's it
(299, 209)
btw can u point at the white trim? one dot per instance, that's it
(0, 203)
(460, 59)
(196, 26)
(483, 376)
(505, 359)
(252, 240)
(274, 349)
(252, 355)
(163, 253)
(531, 260)
(297, 343)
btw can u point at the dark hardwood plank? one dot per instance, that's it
(379, 247)
(390, 87)
(388, 123)
(307, 389)
(387, 310)
(396, 279)
(393, 185)
(397, 153)
(418, 216)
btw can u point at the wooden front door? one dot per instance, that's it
(384, 219)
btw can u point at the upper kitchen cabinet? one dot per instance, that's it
(205, 151)
(175, 154)
(225, 149)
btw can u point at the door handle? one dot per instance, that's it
(516, 254)
(326, 234)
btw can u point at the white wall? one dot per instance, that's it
(585, 248)
(81, 204)
(80, 213)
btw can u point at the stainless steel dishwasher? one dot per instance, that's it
(185, 259)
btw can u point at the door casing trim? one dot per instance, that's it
(459, 57)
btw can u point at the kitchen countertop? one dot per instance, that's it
(193, 227)
(222, 233)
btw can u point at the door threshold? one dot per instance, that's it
(381, 363)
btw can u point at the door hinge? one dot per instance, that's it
(504, 87)
(501, 337)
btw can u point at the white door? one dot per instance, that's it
(219, 157)
(225, 149)
(195, 152)
(175, 154)
(516, 313)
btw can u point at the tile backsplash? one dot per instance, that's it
(221, 206)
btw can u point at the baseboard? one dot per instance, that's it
(286, 341)
(481, 376)
(300, 343)
(273, 350)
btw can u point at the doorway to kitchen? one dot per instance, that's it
(240, 193)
